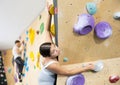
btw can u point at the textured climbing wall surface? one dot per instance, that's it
(8, 67)
(111, 67)
(33, 37)
(83, 48)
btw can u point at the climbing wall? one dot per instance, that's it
(33, 37)
(78, 49)
(83, 48)
(8, 67)
(111, 68)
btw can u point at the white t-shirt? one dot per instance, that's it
(15, 54)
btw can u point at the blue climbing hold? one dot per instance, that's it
(91, 8)
(23, 75)
(25, 63)
(27, 38)
(24, 54)
(27, 68)
(27, 32)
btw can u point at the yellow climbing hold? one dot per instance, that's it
(52, 29)
(31, 35)
(38, 65)
(51, 9)
(38, 54)
(31, 56)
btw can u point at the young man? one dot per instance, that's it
(17, 54)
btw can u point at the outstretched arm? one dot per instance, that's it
(58, 69)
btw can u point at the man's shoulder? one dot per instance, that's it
(14, 47)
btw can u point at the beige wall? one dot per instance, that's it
(7, 59)
(82, 49)
(87, 48)
(111, 68)
(31, 76)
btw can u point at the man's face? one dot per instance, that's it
(18, 44)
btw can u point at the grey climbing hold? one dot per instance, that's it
(116, 15)
(98, 66)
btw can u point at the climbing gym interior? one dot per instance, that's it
(84, 30)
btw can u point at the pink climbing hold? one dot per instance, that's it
(114, 79)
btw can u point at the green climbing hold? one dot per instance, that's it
(9, 70)
(65, 59)
(34, 67)
(40, 17)
(91, 8)
(41, 28)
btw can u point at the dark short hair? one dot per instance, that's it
(17, 41)
(45, 49)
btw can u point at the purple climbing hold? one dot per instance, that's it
(76, 80)
(15, 78)
(85, 24)
(103, 30)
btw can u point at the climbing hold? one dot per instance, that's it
(52, 29)
(116, 15)
(98, 66)
(114, 79)
(24, 49)
(25, 44)
(84, 25)
(26, 39)
(91, 8)
(34, 67)
(9, 70)
(23, 75)
(38, 54)
(4, 52)
(103, 30)
(25, 64)
(31, 35)
(31, 55)
(26, 58)
(40, 17)
(24, 54)
(56, 10)
(76, 80)
(65, 59)
(37, 32)
(41, 28)
(27, 32)
(27, 68)
(51, 9)
(38, 65)
(15, 78)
